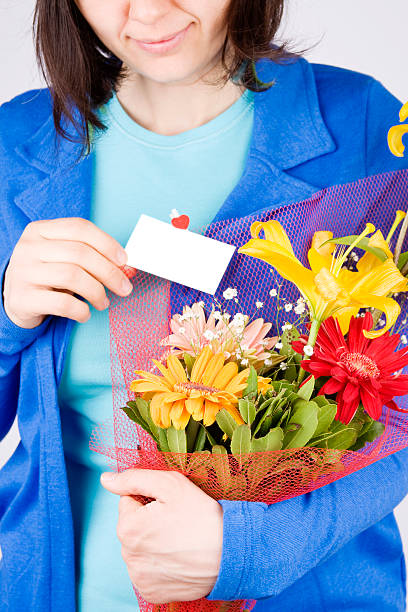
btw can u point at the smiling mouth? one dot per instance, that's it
(156, 42)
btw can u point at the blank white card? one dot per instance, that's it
(178, 255)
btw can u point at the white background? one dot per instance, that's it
(370, 36)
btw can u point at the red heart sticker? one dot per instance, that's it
(181, 222)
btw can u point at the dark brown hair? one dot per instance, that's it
(81, 71)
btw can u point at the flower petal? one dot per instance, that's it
(194, 405)
(395, 135)
(176, 369)
(225, 375)
(145, 386)
(348, 402)
(274, 232)
(212, 369)
(200, 364)
(155, 408)
(210, 411)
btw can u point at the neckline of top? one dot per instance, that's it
(224, 121)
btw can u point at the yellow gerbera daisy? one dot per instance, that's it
(211, 387)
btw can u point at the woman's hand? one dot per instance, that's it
(54, 259)
(172, 546)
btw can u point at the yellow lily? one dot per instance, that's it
(396, 133)
(328, 288)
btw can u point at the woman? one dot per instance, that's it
(208, 123)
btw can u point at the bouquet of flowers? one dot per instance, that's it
(260, 416)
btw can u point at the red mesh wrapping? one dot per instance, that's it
(140, 321)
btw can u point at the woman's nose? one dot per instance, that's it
(148, 11)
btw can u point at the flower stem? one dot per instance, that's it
(316, 323)
(400, 240)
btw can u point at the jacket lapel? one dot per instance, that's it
(288, 131)
(61, 186)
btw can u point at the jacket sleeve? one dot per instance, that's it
(13, 339)
(267, 548)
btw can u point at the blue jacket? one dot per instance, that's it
(337, 547)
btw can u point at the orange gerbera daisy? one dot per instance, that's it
(211, 387)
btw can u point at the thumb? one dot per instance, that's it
(157, 484)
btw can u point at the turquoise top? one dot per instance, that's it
(135, 171)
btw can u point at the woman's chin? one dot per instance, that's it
(168, 72)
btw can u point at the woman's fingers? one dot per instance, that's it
(55, 259)
(86, 257)
(60, 303)
(70, 277)
(80, 230)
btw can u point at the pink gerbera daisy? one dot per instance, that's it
(237, 339)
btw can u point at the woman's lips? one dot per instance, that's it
(162, 46)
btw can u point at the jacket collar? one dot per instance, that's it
(288, 130)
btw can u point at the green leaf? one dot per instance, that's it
(241, 440)
(220, 464)
(284, 419)
(367, 425)
(277, 416)
(337, 426)
(210, 437)
(306, 390)
(291, 373)
(189, 361)
(144, 409)
(264, 405)
(340, 436)
(299, 403)
(247, 410)
(134, 416)
(200, 439)
(342, 439)
(403, 258)
(191, 433)
(363, 244)
(357, 423)
(272, 441)
(301, 426)
(278, 385)
(162, 441)
(321, 400)
(177, 440)
(198, 467)
(269, 411)
(226, 422)
(141, 407)
(251, 390)
(220, 449)
(376, 429)
(288, 336)
(325, 417)
(320, 441)
(291, 396)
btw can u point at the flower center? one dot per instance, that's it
(361, 365)
(190, 386)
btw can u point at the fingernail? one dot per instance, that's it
(122, 257)
(127, 286)
(107, 477)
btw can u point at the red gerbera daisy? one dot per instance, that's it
(360, 369)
